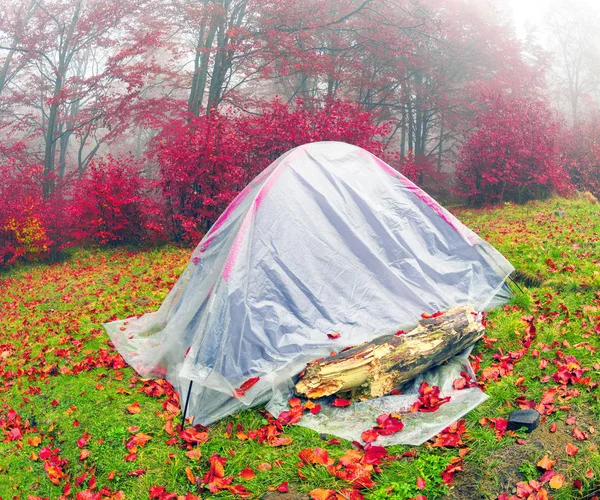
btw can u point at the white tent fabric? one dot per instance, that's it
(328, 238)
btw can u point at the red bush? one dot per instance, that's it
(112, 204)
(24, 232)
(512, 153)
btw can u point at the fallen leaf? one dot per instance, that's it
(190, 475)
(194, 453)
(247, 474)
(557, 482)
(571, 449)
(238, 393)
(340, 402)
(545, 463)
(134, 408)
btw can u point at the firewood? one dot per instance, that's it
(376, 368)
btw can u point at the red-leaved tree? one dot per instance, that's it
(206, 161)
(512, 153)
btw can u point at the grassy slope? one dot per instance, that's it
(57, 379)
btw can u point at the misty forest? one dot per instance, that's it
(128, 127)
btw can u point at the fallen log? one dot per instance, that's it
(376, 368)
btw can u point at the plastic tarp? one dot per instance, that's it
(329, 238)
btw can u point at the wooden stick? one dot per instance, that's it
(376, 368)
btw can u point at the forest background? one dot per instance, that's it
(139, 121)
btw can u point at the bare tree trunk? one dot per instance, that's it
(376, 368)
(53, 115)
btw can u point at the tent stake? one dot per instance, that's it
(187, 400)
(516, 284)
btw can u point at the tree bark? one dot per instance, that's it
(376, 368)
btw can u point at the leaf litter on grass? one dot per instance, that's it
(76, 421)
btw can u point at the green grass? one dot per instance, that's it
(56, 378)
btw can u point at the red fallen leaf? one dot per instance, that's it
(571, 449)
(545, 463)
(87, 494)
(295, 402)
(238, 393)
(240, 434)
(334, 441)
(369, 435)
(131, 457)
(194, 453)
(111, 475)
(264, 466)
(454, 466)
(322, 494)
(388, 424)
(546, 476)
(54, 402)
(134, 408)
(283, 487)
(340, 402)
(571, 420)
(421, 483)
(15, 434)
(45, 453)
(83, 454)
(589, 474)
(156, 492)
(450, 437)
(334, 335)
(354, 495)
(577, 434)
(140, 439)
(351, 457)
(398, 333)
(247, 474)
(463, 382)
(553, 427)
(191, 435)
(523, 490)
(137, 472)
(374, 454)
(315, 409)
(429, 399)
(321, 456)
(577, 484)
(521, 441)
(280, 441)
(434, 315)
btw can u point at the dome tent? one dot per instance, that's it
(328, 238)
